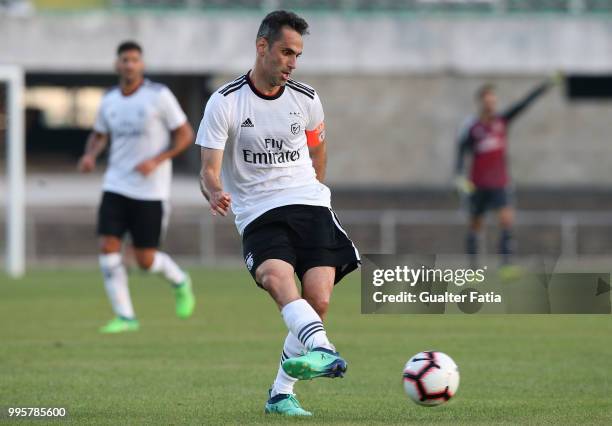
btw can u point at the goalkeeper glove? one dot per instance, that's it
(557, 78)
(464, 186)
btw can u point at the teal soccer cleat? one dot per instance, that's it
(286, 405)
(319, 362)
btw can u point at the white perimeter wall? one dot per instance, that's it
(365, 44)
(394, 90)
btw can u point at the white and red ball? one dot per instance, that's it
(431, 378)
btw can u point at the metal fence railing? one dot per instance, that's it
(487, 7)
(65, 238)
(414, 6)
(568, 223)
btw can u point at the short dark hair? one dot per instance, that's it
(484, 89)
(128, 45)
(273, 23)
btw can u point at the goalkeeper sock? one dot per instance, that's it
(505, 245)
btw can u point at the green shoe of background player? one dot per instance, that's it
(510, 273)
(185, 300)
(285, 404)
(120, 325)
(319, 362)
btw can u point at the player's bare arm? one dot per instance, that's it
(318, 154)
(210, 181)
(182, 138)
(96, 143)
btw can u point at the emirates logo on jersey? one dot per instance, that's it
(273, 154)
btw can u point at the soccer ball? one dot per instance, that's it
(431, 378)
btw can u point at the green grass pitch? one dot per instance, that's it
(216, 367)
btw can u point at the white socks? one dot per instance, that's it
(163, 264)
(305, 324)
(284, 382)
(116, 284)
(306, 332)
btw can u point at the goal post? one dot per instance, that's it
(12, 78)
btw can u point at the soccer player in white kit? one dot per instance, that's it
(147, 128)
(264, 155)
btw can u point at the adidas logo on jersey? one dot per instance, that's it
(247, 123)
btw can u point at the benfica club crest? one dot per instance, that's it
(295, 128)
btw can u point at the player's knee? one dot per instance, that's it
(320, 305)
(145, 260)
(506, 219)
(476, 225)
(110, 245)
(145, 265)
(271, 280)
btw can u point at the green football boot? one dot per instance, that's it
(286, 405)
(120, 325)
(510, 273)
(185, 300)
(319, 362)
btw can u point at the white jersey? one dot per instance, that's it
(139, 127)
(266, 163)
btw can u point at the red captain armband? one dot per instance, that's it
(316, 136)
